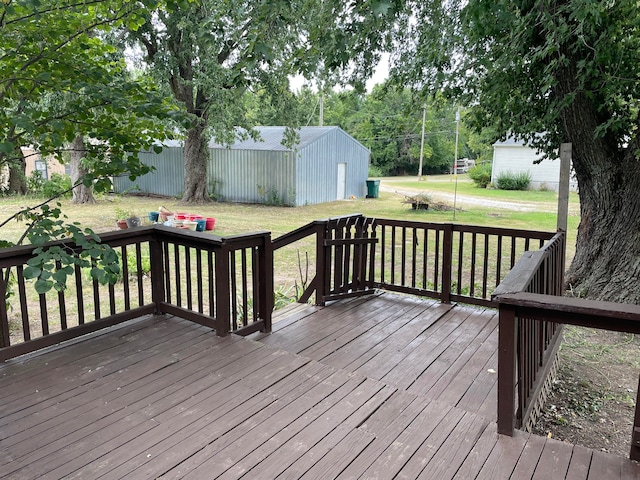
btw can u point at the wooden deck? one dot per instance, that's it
(386, 386)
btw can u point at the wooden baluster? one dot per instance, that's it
(4, 317)
(24, 310)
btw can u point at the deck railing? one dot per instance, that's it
(227, 283)
(532, 313)
(536, 342)
(219, 282)
(357, 254)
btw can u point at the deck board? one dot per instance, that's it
(385, 386)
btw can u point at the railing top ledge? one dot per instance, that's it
(112, 237)
(576, 311)
(145, 233)
(207, 240)
(519, 276)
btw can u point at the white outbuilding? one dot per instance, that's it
(515, 156)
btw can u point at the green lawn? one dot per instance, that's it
(240, 218)
(465, 186)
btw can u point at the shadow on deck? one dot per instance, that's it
(383, 386)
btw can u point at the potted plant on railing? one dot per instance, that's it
(133, 220)
(126, 219)
(121, 218)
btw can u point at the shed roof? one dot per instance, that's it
(271, 139)
(509, 142)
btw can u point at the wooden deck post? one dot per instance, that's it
(447, 258)
(223, 291)
(157, 274)
(322, 273)
(635, 435)
(507, 341)
(265, 282)
(4, 317)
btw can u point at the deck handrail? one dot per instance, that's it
(524, 307)
(227, 282)
(357, 254)
(233, 277)
(528, 347)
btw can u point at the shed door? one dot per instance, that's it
(342, 181)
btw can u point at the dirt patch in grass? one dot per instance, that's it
(593, 399)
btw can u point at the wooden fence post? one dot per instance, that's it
(563, 186)
(507, 342)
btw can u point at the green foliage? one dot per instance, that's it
(35, 182)
(123, 213)
(58, 186)
(47, 100)
(375, 171)
(10, 281)
(481, 174)
(51, 265)
(532, 63)
(283, 296)
(132, 263)
(271, 196)
(514, 181)
(62, 79)
(389, 121)
(214, 190)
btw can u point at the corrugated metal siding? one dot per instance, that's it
(304, 177)
(249, 175)
(316, 175)
(167, 178)
(271, 138)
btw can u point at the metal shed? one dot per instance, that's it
(326, 164)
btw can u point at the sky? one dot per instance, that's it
(380, 74)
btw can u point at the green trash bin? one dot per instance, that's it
(373, 188)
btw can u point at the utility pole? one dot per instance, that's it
(455, 166)
(321, 121)
(424, 117)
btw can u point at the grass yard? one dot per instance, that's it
(240, 218)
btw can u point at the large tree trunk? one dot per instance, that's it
(17, 174)
(81, 193)
(196, 156)
(606, 265)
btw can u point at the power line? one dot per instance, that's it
(399, 137)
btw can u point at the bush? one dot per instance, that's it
(375, 171)
(58, 185)
(513, 181)
(35, 182)
(481, 175)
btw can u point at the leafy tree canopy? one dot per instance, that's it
(548, 72)
(53, 49)
(60, 79)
